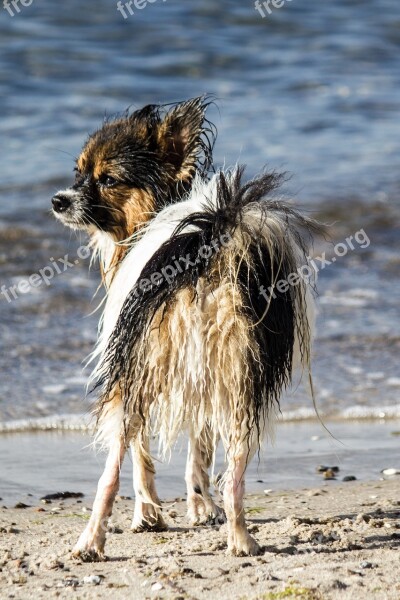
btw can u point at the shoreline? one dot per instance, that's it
(33, 464)
(84, 421)
(318, 544)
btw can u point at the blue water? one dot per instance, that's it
(314, 89)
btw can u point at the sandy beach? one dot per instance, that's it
(335, 541)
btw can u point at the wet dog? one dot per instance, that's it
(206, 316)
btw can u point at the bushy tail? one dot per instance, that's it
(261, 242)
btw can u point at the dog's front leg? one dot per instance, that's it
(90, 546)
(147, 515)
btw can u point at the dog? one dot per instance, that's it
(206, 317)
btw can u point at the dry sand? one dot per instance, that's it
(339, 541)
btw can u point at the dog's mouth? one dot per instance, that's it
(71, 221)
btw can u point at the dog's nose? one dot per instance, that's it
(61, 202)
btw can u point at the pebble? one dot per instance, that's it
(349, 478)
(312, 493)
(324, 468)
(139, 561)
(156, 587)
(53, 563)
(390, 472)
(70, 582)
(363, 518)
(339, 585)
(267, 492)
(92, 579)
(62, 496)
(367, 565)
(21, 505)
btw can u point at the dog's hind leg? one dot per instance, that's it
(240, 542)
(90, 546)
(201, 507)
(147, 514)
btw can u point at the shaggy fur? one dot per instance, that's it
(202, 341)
(198, 332)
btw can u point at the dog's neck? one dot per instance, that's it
(111, 247)
(110, 254)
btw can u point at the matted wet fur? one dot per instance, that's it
(196, 334)
(212, 311)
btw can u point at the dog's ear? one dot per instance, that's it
(180, 137)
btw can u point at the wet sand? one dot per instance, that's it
(335, 541)
(40, 462)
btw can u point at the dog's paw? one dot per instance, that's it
(88, 555)
(90, 546)
(244, 546)
(217, 517)
(149, 525)
(212, 519)
(201, 512)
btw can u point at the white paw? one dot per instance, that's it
(201, 512)
(243, 545)
(215, 516)
(90, 547)
(149, 524)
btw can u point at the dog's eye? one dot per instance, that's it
(107, 180)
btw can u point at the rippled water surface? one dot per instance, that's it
(312, 89)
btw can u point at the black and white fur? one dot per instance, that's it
(202, 350)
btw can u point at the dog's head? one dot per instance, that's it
(134, 165)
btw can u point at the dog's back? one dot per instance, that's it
(207, 315)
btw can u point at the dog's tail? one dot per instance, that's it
(227, 232)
